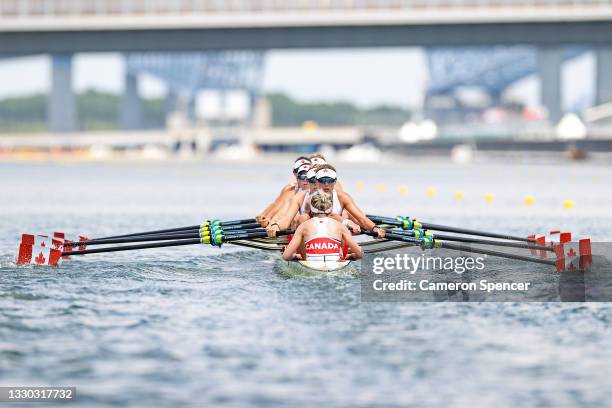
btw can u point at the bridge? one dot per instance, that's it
(189, 25)
(62, 28)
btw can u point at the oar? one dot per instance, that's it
(159, 237)
(248, 221)
(455, 247)
(193, 241)
(475, 241)
(428, 242)
(409, 224)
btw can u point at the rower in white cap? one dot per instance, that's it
(322, 238)
(326, 178)
(285, 194)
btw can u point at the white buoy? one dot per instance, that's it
(462, 154)
(570, 127)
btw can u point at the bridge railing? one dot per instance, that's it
(41, 8)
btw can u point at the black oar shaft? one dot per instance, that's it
(483, 251)
(158, 237)
(490, 242)
(156, 232)
(226, 238)
(445, 228)
(229, 224)
(395, 237)
(141, 238)
(448, 245)
(134, 247)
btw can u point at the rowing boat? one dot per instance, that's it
(560, 252)
(297, 267)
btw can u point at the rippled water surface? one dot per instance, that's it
(203, 326)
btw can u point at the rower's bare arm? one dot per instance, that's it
(277, 207)
(355, 250)
(291, 251)
(282, 221)
(366, 223)
(338, 187)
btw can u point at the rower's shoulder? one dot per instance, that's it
(287, 188)
(300, 195)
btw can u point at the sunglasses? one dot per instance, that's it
(326, 180)
(301, 176)
(312, 180)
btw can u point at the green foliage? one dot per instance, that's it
(287, 112)
(100, 110)
(26, 114)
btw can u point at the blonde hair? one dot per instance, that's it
(321, 202)
(325, 166)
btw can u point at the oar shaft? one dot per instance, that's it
(156, 232)
(490, 242)
(446, 228)
(158, 237)
(135, 247)
(483, 251)
(448, 245)
(141, 238)
(229, 224)
(394, 237)
(226, 238)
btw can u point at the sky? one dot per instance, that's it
(365, 77)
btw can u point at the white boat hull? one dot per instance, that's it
(317, 267)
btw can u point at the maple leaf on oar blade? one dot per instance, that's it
(40, 259)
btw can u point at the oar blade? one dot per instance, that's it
(41, 253)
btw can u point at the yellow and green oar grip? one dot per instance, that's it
(216, 240)
(428, 242)
(418, 232)
(407, 223)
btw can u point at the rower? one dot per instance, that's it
(302, 177)
(317, 159)
(311, 176)
(322, 237)
(285, 194)
(326, 178)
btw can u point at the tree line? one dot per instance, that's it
(100, 110)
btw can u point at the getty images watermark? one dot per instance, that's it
(412, 274)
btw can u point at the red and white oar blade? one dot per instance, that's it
(36, 255)
(573, 256)
(39, 250)
(551, 240)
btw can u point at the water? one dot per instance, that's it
(202, 326)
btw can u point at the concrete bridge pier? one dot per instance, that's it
(62, 114)
(171, 102)
(603, 87)
(550, 60)
(131, 114)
